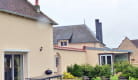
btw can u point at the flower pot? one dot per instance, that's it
(105, 78)
(48, 72)
(123, 78)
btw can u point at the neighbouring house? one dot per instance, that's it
(26, 44)
(76, 44)
(128, 44)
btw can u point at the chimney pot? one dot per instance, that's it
(96, 20)
(36, 2)
(37, 7)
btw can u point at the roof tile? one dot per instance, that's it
(22, 7)
(74, 33)
(135, 42)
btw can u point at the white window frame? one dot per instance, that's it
(106, 58)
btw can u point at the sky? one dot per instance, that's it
(119, 17)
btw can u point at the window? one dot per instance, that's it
(13, 65)
(63, 42)
(105, 59)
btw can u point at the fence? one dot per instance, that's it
(55, 77)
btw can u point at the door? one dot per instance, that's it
(13, 64)
(105, 59)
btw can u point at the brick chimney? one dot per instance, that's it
(37, 7)
(99, 34)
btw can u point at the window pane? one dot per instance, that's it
(109, 60)
(65, 43)
(17, 67)
(62, 44)
(8, 67)
(102, 60)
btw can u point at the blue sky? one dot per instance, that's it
(119, 17)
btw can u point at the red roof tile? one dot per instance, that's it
(69, 49)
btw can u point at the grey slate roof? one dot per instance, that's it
(23, 8)
(73, 33)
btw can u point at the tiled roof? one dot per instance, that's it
(135, 42)
(23, 8)
(74, 33)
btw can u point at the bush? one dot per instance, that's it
(75, 70)
(131, 78)
(105, 71)
(67, 75)
(126, 69)
(87, 70)
(97, 78)
(120, 66)
(115, 77)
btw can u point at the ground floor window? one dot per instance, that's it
(105, 59)
(13, 64)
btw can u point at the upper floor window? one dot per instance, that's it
(63, 43)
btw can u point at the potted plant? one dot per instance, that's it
(124, 76)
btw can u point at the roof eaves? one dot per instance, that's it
(108, 49)
(26, 16)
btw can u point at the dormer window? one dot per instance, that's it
(63, 43)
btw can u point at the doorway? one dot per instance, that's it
(13, 66)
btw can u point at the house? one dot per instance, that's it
(26, 44)
(128, 44)
(26, 40)
(76, 44)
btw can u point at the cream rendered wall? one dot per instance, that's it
(70, 57)
(80, 45)
(22, 33)
(128, 45)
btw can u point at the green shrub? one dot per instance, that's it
(67, 75)
(131, 78)
(87, 70)
(115, 77)
(105, 71)
(97, 78)
(120, 66)
(134, 73)
(75, 70)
